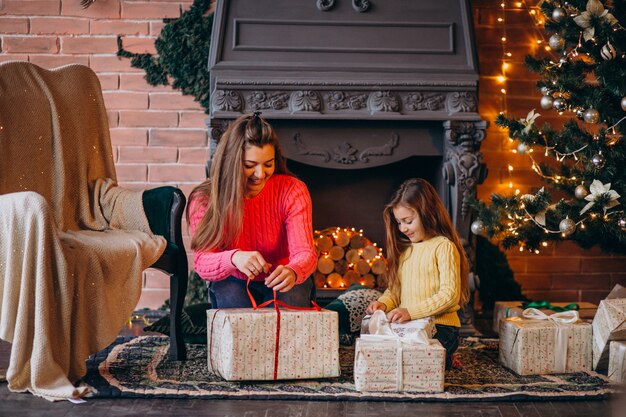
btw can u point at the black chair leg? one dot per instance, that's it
(178, 289)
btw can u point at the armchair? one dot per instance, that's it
(74, 244)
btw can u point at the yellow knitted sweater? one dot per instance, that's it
(430, 281)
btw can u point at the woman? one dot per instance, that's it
(252, 219)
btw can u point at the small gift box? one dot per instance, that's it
(398, 357)
(609, 324)
(537, 344)
(266, 344)
(617, 362)
(506, 309)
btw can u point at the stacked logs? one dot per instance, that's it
(346, 257)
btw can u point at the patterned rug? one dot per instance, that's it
(139, 367)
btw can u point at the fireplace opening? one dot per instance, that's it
(356, 197)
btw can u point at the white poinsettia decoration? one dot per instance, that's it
(594, 9)
(529, 121)
(598, 190)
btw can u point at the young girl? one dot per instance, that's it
(427, 264)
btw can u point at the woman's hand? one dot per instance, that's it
(398, 315)
(375, 305)
(281, 279)
(250, 263)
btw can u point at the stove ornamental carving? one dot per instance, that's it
(358, 5)
(462, 102)
(339, 100)
(384, 150)
(305, 150)
(325, 5)
(305, 101)
(383, 101)
(344, 152)
(227, 100)
(424, 101)
(260, 100)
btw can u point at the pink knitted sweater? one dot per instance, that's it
(276, 222)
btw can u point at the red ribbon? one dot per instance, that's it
(277, 304)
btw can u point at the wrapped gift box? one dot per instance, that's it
(617, 362)
(506, 309)
(391, 365)
(609, 324)
(530, 347)
(242, 344)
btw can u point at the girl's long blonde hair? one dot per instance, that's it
(224, 189)
(422, 197)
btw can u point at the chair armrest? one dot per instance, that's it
(164, 207)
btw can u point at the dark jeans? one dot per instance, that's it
(449, 338)
(231, 293)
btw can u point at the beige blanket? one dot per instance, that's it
(72, 244)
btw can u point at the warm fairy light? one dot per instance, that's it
(503, 91)
(501, 78)
(510, 167)
(503, 39)
(544, 244)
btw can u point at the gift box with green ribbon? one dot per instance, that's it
(505, 309)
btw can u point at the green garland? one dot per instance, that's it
(183, 52)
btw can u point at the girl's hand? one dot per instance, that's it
(250, 263)
(375, 305)
(398, 315)
(281, 279)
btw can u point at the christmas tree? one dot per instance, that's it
(583, 164)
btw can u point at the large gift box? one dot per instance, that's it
(506, 309)
(537, 344)
(609, 324)
(617, 362)
(247, 344)
(398, 357)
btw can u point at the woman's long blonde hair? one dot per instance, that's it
(224, 189)
(422, 197)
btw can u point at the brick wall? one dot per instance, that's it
(160, 138)
(563, 271)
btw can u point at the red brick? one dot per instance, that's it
(593, 296)
(194, 119)
(149, 10)
(108, 81)
(172, 101)
(39, 44)
(604, 264)
(125, 100)
(618, 279)
(129, 137)
(581, 281)
(517, 263)
(569, 248)
(114, 118)
(88, 45)
(135, 118)
(59, 25)
(175, 172)
(13, 57)
(193, 155)
(54, 61)
(534, 281)
(188, 188)
(148, 154)
(178, 137)
(553, 296)
(554, 264)
(111, 63)
(156, 27)
(137, 82)
(13, 24)
(30, 7)
(131, 172)
(117, 27)
(102, 9)
(139, 45)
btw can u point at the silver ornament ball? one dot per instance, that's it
(622, 224)
(545, 91)
(608, 52)
(580, 113)
(559, 104)
(623, 103)
(477, 227)
(580, 192)
(591, 116)
(558, 14)
(556, 42)
(522, 148)
(567, 226)
(546, 102)
(598, 160)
